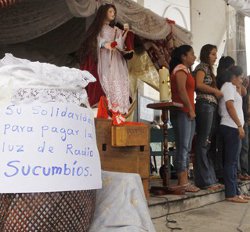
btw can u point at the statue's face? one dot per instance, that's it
(111, 14)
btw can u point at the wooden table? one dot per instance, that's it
(164, 107)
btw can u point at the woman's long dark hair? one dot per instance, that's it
(204, 58)
(225, 63)
(223, 77)
(176, 56)
(89, 45)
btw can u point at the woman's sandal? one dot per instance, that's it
(191, 188)
(245, 197)
(237, 199)
(215, 187)
(244, 177)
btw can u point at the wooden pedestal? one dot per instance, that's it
(124, 149)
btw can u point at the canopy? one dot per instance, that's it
(23, 20)
(49, 31)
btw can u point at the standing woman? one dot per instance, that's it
(206, 107)
(243, 150)
(225, 63)
(101, 54)
(183, 120)
(231, 127)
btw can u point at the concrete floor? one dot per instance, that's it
(220, 217)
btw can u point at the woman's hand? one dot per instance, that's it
(218, 94)
(191, 115)
(241, 132)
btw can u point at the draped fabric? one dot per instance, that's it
(22, 80)
(181, 35)
(160, 50)
(141, 67)
(242, 6)
(50, 31)
(29, 19)
(121, 205)
(56, 47)
(143, 21)
(82, 8)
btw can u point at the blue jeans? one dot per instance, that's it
(216, 149)
(204, 174)
(243, 158)
(184, 131)
(231, 143)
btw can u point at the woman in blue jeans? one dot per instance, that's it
(183, 120)
(206, 107)
(231, 127)
(225, 63)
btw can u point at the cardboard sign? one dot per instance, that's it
(48, 147)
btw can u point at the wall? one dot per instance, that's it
(208, 24)
(179, 11)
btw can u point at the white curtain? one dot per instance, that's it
(240, 5)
